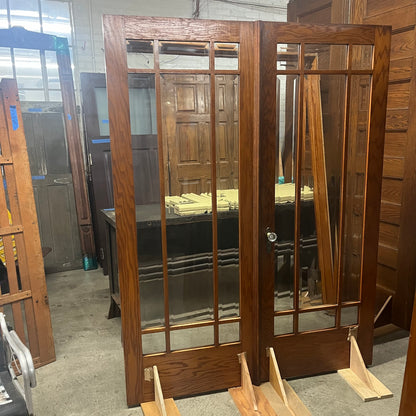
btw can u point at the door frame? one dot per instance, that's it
(216, 367)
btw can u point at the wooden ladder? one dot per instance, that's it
(27, 295)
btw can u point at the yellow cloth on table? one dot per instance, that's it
(2, 256)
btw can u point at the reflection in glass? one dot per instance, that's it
(286, 133)
(226, 108)
(321, 56)
(311, 321)
(229, 332)
(187, 146)
(142, 106)
(226, 55)
(283, 324)
(192, 337)
(362, 57)
(31, 95)
(153, 343)
(183, 55)
(287, 56)
(140, 54)
(321, 171)
(355, 186)
(349, 316)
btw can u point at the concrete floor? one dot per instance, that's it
(88, 375)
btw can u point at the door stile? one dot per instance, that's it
(249, 195)
(163, 154)
(373, 188)
(124, 203)
(266, 207)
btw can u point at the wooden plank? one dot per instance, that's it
(400, 69)
(264, 407)
(6, 299)
(395, 144)
(246, 385)
(397, 120)
(392, 191)
(393, 167)
(151, 409)
(383, 6)
(358, 385)
(295, 404)
(398, 96)
(387, 256)
(373, 189)
(403, 44)
(73, 139)
(275, 400)
(389, 234)
(387, 277)
(397, 17)
(323, 227)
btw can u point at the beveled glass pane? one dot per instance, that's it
(52, 70)
(320, 193)
(28, 68)
(321, 56)
(148, 215)
(226, 55)
(287, 56)
(56, 19)
(311, 321)
(349, 316)
(362, 57)
(153, 343)
(355, 185)
(25, 13)
(186, 137)
(192, 337)
(226, 108)
(183, 55)
(229, 332)
(285, 194)
(102, 110)
(283, 324)
(140, 54)
(142, 106)
(6, 68)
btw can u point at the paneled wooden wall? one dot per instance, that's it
(397, 242)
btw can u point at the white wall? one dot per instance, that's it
(87, 16)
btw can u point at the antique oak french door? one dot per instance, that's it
(269, 129)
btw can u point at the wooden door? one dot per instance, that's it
(319, 284)
(187, 321)
(179, 298)
(52, 185)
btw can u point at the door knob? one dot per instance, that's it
(271, 236)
